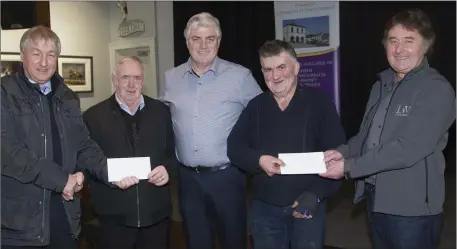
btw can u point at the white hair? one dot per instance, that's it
(123, 60)
(203, 19)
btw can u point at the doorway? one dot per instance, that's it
(145, 50)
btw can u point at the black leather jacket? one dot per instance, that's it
(28, 173)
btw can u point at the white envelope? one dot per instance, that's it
(303, 163)
(119, 168)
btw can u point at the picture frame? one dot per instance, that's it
(10, 63)
(77, 72)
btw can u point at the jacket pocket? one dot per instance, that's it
(73, 212)
(22, 114)
(17, 215)
(71, 119)
(21, 107)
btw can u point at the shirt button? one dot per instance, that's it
(39, 202)
(374, 144)
(379, 126)
(195, 116)
(42, 134)
(195, 150)
(39, 237)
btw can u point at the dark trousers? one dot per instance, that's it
(59, 228)
(113, 236)
(274, 227)
(401, 232)
(213, 201)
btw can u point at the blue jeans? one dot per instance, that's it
(401, 232)
(275, 227)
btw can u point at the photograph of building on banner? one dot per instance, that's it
(307, 32)
(313, 30)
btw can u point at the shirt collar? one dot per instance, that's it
(213, 67)
(45, 88)
(388, 76)
(127, 109)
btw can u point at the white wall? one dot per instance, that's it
(136, 10)
(165, 39)
(86, 28)
(158, 19)
(83, 30)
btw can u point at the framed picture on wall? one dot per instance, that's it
(77, 72)
(10, 63)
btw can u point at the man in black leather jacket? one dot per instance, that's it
(45, 148)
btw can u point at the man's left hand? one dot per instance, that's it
(299, 215)
(79, 182)
(78, 187)
(158, 176)
(335, 170)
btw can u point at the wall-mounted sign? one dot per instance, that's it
(128, 27)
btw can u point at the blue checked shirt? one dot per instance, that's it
(204, 109)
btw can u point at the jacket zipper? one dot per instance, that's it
(385, 116)
(368, 131)
(371, 121)
(44, 190)
(138, 205)
(56, 115)
(426, 186)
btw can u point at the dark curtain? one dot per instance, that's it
(247, 25)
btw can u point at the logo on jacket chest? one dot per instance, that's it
(403, 110)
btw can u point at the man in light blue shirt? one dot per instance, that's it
(206, 95)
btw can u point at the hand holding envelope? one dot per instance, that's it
(158, 176)
(126, 182)
(126, 172)
(271, 165)
(302, 163)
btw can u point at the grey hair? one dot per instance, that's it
(39, 33)
(203, 19)
(123, 60)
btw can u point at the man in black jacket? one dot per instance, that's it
(45, 148)
(287, 210)
(129, 124)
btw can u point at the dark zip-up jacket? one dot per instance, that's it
(408, 161)
(145, 203)
(29, 174)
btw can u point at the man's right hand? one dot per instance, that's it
(69, 189)
(332, 155)
(271, 165)
(127, 182)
